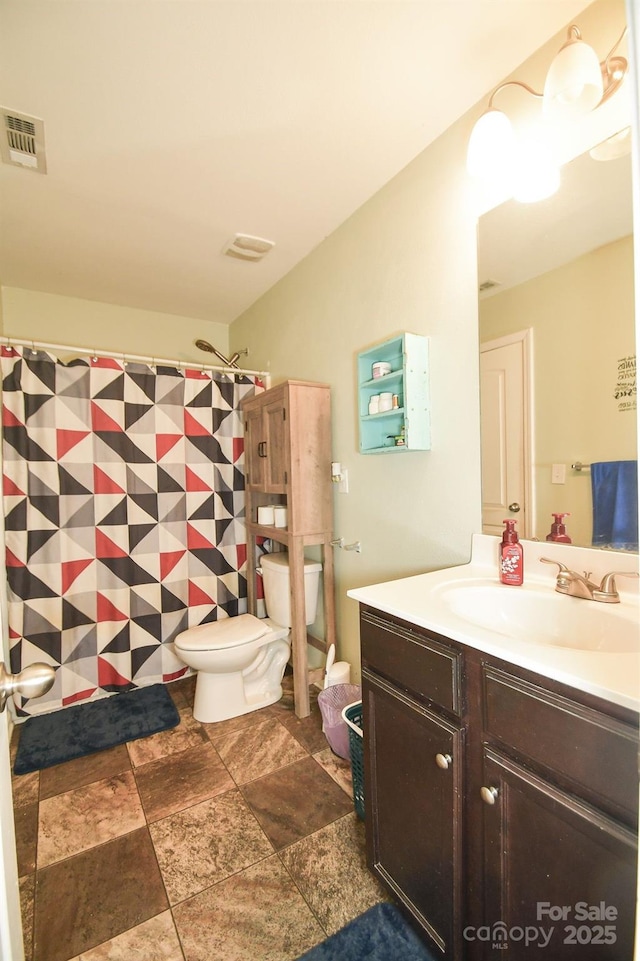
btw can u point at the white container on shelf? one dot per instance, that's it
(266, 516)
(380, 368)
(280, 516)
(386, 402)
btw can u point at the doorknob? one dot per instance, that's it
(514, 508)
(34, 681)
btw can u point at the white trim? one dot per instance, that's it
(11, 944)
(633, 20)
(526, 338)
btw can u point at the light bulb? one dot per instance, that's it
(536, 175)
(491, 145)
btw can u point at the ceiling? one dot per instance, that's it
(171, 125)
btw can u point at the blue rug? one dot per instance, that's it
(93, 726)
(380, 934)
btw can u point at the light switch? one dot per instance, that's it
(343, 483)
(558, 473)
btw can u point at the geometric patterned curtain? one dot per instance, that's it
(124, 516)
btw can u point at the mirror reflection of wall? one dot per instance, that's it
(564, 269)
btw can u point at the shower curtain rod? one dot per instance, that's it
(126, 358)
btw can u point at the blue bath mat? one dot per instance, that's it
(82, 729)
(380, 934)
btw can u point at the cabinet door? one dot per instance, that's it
(254, 449)
(413, 767)
(276, 447)
(555, 868)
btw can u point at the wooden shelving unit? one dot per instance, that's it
(408, 356)
(288, 464)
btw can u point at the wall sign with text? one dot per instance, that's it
(626, 389)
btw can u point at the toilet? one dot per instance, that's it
(241, 660)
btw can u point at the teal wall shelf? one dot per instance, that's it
(408, 384)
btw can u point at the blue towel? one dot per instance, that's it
(614, 485)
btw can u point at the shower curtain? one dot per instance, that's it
(124, 516)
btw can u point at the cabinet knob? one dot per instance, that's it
(489, 794)
(443, 761)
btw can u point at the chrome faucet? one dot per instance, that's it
(580, 585)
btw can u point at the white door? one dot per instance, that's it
(505, 433)
(11, 948)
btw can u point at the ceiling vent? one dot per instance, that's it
(22, 141)
(244, 247)
(488, 285)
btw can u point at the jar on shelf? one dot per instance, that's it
(379, 369)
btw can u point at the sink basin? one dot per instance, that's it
(542, 616)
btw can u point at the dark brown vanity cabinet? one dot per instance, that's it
(556, 868)
(558, 818)
(413, 774)
(501, 807)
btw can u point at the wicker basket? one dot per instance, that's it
(352, 714)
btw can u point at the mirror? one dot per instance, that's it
(563, 268)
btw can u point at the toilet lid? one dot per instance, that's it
(228, 632)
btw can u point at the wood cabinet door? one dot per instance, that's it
(276, 447)
(413, 771)
(266, 447)
(557, 873)
(254, 449)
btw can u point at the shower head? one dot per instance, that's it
(227, 361)
(235, 357)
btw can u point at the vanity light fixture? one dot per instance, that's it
(574, 81)
(577, 82)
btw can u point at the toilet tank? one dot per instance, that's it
(275, 578)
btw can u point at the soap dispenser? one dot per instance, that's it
(511, 555)
(558, 531)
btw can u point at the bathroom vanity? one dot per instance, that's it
(501, 785)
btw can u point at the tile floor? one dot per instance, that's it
(209, 842)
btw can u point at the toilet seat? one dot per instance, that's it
(228, 632)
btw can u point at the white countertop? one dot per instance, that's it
(612, 676)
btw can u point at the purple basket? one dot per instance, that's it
(331, 702)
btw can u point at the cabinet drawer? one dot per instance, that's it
(413, 661)
(596, 752)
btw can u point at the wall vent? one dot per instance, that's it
(22, 141)
(245, 247)
(488, 285)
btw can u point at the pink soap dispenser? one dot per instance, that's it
(511, 555)
(558, 531)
